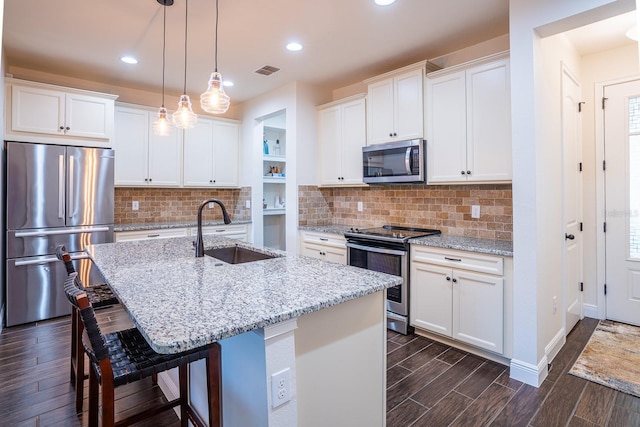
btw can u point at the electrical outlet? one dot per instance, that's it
(360, 207)
(475, 211)
(210, 205)
(135, 205)
(247, 204)
(280, 387)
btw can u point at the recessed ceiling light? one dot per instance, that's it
(129, 60)
(227, 83)
(384, 2)
(294, 46)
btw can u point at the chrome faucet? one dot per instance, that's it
(199, 243)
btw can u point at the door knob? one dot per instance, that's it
(569, 236)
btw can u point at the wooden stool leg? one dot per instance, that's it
(79, 363)
(74, 334)
(94, 391)
(184, 395)
(214, 385)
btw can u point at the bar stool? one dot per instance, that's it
(125, 356)
(100, 296)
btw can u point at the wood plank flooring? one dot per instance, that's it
(429, 384)
(432, 384)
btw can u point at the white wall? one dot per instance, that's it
(597, 68)
(532, 122)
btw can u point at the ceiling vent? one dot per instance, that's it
(267, 70)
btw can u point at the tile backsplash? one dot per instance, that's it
(160, 205)
(445, 207)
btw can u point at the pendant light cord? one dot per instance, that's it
(164, 48)
(216, 44)
(186, 15)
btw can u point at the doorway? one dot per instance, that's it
(622, 201)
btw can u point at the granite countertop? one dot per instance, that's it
(470, 244)
(447, 241)
(166, 225)
(181, 302)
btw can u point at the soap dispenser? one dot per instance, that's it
(265, 145)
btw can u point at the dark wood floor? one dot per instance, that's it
(429, 384)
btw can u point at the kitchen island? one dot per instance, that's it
(323, 322)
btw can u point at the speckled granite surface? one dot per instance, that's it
(181, 302)
(165, 225)
(471, 244)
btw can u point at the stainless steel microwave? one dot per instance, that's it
(402, 161)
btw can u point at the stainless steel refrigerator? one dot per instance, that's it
(54, 195)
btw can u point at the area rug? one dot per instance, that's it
(612, 357)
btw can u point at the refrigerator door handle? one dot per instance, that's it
(71, 182)
(32, 233)
(40, 260)
(60, 186)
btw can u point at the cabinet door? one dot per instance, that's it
(226, 141)
(446, 128)
(165, 158)
(354, 137)
(408, 106)
(329, 140)
(325, 253)
(489, 122)
(380, 113)
(198, 155)
(431, 298)
(130, 143)
(88, 116)
(37, 110)
(478, 309)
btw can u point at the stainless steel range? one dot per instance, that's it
(386, 249)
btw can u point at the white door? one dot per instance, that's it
(572, 199)
(622, 199)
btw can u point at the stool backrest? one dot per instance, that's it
(63, 255)
(96, 348)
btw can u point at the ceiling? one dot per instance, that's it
(345, 41)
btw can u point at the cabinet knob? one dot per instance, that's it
(210, 181)
(454, 280)
(146, 180)
(468, 172)
(448, 278)
(390, 133)
(462, 172)
(67, 128)
(61, 127)
(150, 180)
(395, 134)
(569, 236)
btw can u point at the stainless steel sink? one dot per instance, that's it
(237, 255)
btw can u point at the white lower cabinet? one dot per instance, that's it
(324, 246)
(231, 231)
(460, 295)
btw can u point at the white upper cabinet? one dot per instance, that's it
(341, 136)
(142, 158)
(469, 123)
(46, 113)
(395, 105)
(211, 154)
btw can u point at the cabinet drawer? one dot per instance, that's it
(123, 236)
(324, 239)
(458, 259)
(231, 231)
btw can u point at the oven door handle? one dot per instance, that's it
(377, 249)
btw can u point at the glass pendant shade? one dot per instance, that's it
(162, 126)
(184, 117)
(214, 100)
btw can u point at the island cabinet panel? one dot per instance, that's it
(230, 231)
(124, 236)
(468, 111)
(211, 154)
(395, 105)
(325, 246)
(341, 136)
(452, 295)
(143, 158)
(52, 114)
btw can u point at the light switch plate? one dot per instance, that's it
(247, 204)
(360, 207)
(135, 205)
(475, 211)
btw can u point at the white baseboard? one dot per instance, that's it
(528, 373)
(555, 345)
(591, 310)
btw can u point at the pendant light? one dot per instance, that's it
(214, 100)
(162, 126)
(184, 117)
